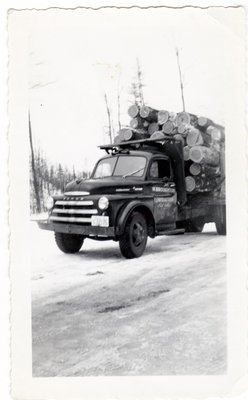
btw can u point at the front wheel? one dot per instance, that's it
(133, 241)
(68, 243)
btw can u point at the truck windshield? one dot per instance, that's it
(123, 166)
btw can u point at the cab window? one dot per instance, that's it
(160, 170)
(121, 166)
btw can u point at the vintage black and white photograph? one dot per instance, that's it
(127, 146)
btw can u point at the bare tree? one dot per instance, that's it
(137, 86)
(119, 109)
(119, 104)
(34, 84)
(112, 128)
(140, 82)
(134, 93)
(110, 123)
(181, 80)
(73, 173)
(35, 180)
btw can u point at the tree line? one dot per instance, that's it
(47, 180)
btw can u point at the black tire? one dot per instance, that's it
(194, 225)
(220, 221)
(68, 243)
(133, 241)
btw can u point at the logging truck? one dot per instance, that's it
(137, 190)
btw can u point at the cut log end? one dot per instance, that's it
(183, 118)
(173, 116)
(145, 111)
(194, 138)
(158, 135)
(168, 127)
(216, 134)
(153, 127)
(148, 113)
(125, 134)
(202, 154)
(134, 123)
(137, 123)
(182, 128)
(163, 117)
(203, 122)
(128, 135)
(195, 169)
(190, 183)
(133, 111)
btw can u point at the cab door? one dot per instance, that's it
(163, 191)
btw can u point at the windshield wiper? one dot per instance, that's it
(134, 172)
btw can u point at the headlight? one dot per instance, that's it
(103, 203)
(49, 203)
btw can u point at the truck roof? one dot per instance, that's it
(144, 151)
(146, 147)
(148, 153)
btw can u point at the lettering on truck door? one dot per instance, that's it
(163, 189)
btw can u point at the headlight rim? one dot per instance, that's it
(50, 205)
(102, 199)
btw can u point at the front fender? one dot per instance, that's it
(128, 209)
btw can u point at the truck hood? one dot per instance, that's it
(105, 186)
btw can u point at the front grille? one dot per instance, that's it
(73, 211)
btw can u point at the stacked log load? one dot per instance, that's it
(203, 142)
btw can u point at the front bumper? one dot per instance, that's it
(86, 230)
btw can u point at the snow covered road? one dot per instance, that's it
(96, 313)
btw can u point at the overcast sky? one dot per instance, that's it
(75, 56)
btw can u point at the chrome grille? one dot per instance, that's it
(74, 203)
(73, 211)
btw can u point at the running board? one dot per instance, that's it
(171, 232)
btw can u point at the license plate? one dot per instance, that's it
(99, 220)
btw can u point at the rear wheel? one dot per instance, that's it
(133, 241)
(68, 243)
(195, 225)
(220, 221)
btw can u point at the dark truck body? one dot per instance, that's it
(162, 202)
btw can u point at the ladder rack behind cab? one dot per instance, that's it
(137, 144)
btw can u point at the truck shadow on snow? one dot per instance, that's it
(162, 245)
